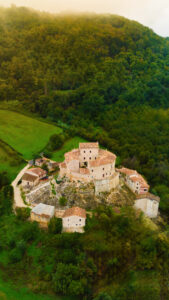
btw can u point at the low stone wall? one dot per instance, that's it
(59, 213)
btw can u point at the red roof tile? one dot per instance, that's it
(88, 145)
(75, 211)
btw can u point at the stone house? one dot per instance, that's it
(49, 163)
(148, 203)
(89, 163)
(42, 214)
(74, 220)
(32, 177)
(135, 181)
(29, 180)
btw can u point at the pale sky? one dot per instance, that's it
(152, 13)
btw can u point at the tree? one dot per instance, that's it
(62, 201)
(55, 225)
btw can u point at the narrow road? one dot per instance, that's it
(18, 202)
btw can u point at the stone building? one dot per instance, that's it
(74, 220)
(135, 181)
(32, 177)
(42, 214)
(148, 203)
(89, 163)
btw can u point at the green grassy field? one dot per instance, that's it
(26, 135)
(68, 145)
(10, 161)
(9, 292)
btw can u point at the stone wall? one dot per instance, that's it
(148, 206)
(106, 185)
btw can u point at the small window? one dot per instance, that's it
(103, 175)
(76, 225)
(84, 151)
(92, 170)
(90, 158)
(95, 157)
(90, 151)
(79, 220)
(103, 169)
(84, 158)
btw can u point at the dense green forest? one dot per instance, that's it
(99, 77)
(120, 256)
(102, 77)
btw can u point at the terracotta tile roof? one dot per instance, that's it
(38, 171)
(84, 171)
(88, 145)
(141, 180)
(149, 196)
(105, 157)
(134, 176)
(74, 154)
(75, 211)
(127, 171)
(29, 177)
(44, 210)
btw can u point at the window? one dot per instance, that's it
(103, 175)
(145, 190)
(92, 170)
(76, 225)
(90, 158)
(95, 157)
(84, 158)
(84, 151)
(103, 169)
(90, 151)
(79, 220)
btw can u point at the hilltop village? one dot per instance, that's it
(73, 188)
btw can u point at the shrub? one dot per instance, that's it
(62, 201)
(23, 213)
(55, 225)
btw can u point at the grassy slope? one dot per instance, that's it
(10, 161)
(69, 145)
(24, 134)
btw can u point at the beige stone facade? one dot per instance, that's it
(148, 203)
(74, 220)
(32, 177)
(42, 214)
(135, 181)
(89, 163)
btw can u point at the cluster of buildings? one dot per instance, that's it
(89, 163)
(73, 219)
(145, 201)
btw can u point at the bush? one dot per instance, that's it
(23, 213)
(62, 201)
(55, 225)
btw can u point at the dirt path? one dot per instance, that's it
(18, 202)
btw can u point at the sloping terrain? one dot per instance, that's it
(26, 135)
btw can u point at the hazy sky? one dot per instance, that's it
(152, 13)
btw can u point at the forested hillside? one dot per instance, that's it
(105, 77)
